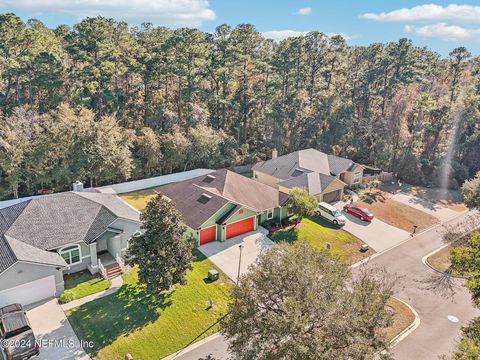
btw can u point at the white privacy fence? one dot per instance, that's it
(127, 186)
(152, 182)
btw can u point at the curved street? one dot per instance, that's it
(434, 296)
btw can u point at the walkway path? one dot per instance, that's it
(116, 285)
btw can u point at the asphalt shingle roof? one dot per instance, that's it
(7, 217)
(29, 228)
(338, 164)
(286, 166)
(226, 187)
(29, 253)
(313, 182)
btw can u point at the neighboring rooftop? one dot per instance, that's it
(312, 182)
(201, 197)
(302, 162)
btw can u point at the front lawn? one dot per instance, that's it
(138, 199)
(133, 321)
(318, 232)
(397, 214)
(82, 284)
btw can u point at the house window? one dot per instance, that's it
(71, 254)
(356, 177)
(269, 214)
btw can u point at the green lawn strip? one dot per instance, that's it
(82, 284)
(133, 321)
(318, 232)
(138, 199)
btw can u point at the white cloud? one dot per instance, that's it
(159, 12)
(305, 11)
(429, 12)
(444, 31)
(279, 35)
(345, 36)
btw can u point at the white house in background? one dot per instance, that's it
(43, 238)
(323, 176)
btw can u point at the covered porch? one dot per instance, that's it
(106, 252)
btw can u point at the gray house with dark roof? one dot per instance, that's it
(323, 176)
(43, 238)
(224, 204)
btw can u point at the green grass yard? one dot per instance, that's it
(138, 199)
(133, 321)
(82, 284)
(318, 232)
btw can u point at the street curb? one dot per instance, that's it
(411, 328)
(427, 264)
(366, 260)
(192, 347)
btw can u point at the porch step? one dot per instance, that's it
(113, 271)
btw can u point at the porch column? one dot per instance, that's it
(93, 254)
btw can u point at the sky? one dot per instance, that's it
(439, 25)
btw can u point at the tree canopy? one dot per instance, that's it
(298, 303)
(163, 252)
(301, 203)
(471, 192)
(183, 98)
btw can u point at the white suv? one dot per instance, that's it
(330, 213)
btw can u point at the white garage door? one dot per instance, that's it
(29, 293)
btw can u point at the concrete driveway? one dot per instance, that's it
(379, 235)
(54, 333)
(226, 254)
(440, 212)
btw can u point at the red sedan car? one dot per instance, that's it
(363, 213)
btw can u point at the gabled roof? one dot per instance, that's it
(222, 187)
(30, 228)
(312, 182)
(29, 253)
(338, 164)
(303, 162)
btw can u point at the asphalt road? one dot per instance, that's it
(432, 295)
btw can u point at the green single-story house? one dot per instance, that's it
(224, 204)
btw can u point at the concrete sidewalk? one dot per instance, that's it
(116, 285)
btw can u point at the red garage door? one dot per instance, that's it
(240, 227)
(207, 235)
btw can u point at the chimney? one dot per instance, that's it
(274, 154)
(77, 186)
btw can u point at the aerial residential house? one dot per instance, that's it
(43, 238)
(224, 204)
(323, 176)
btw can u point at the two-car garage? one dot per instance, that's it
(30, 292)
(209, 234)
(240, 227)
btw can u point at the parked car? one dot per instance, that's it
(361, 212)
(331, 214)
(16, 335)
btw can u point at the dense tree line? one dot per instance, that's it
(104, 102)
